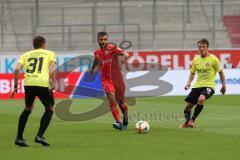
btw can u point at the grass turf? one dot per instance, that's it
(216, 136)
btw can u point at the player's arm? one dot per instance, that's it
(53, 74)
(223, 80)
(190, 79)
(94, 65)
(218, 68)
(191, 76)
(123, 56)
(16, 78)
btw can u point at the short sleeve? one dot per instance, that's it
(22, 60)
(217, 65)
(193, 68)
(52, 57)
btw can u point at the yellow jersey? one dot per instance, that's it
(36, 67)
(206, 69)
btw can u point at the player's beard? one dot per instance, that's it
(102, 45)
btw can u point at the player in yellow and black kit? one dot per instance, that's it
(206, 65)
(39, 77)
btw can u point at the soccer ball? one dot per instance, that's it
(142, 127)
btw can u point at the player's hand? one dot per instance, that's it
(51, 88)
(223, 90)
(187, 86)
(13, 92)
(51, 85)
(126, 55)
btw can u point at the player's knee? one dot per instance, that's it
(50, 109)
(122, 105)
(201, 99)
(111, 97)
(29, 107)
(113, 104)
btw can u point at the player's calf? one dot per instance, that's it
(113, 106)
(45, 121)
(197, 111)
(199, 107)
(124, 110)
(187, 112)
(22, 123)
(187, 115)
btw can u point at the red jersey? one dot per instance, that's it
(108, 65)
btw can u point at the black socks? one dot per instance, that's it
(22, 123)
(45, 120)
(187, 115)
(197, 111)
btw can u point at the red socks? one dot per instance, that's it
(114, 109)
(124, 109)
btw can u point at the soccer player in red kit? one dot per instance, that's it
(109, 59)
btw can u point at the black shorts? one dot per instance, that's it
(43, 93)
(196, 92)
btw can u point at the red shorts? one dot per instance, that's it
(116, 87)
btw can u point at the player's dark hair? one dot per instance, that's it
(100, 34)
(38, 42)
(203, 41)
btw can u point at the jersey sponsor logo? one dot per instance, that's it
(203, 71)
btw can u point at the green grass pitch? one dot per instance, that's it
(216, 136)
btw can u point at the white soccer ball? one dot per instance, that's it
(142, 127)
